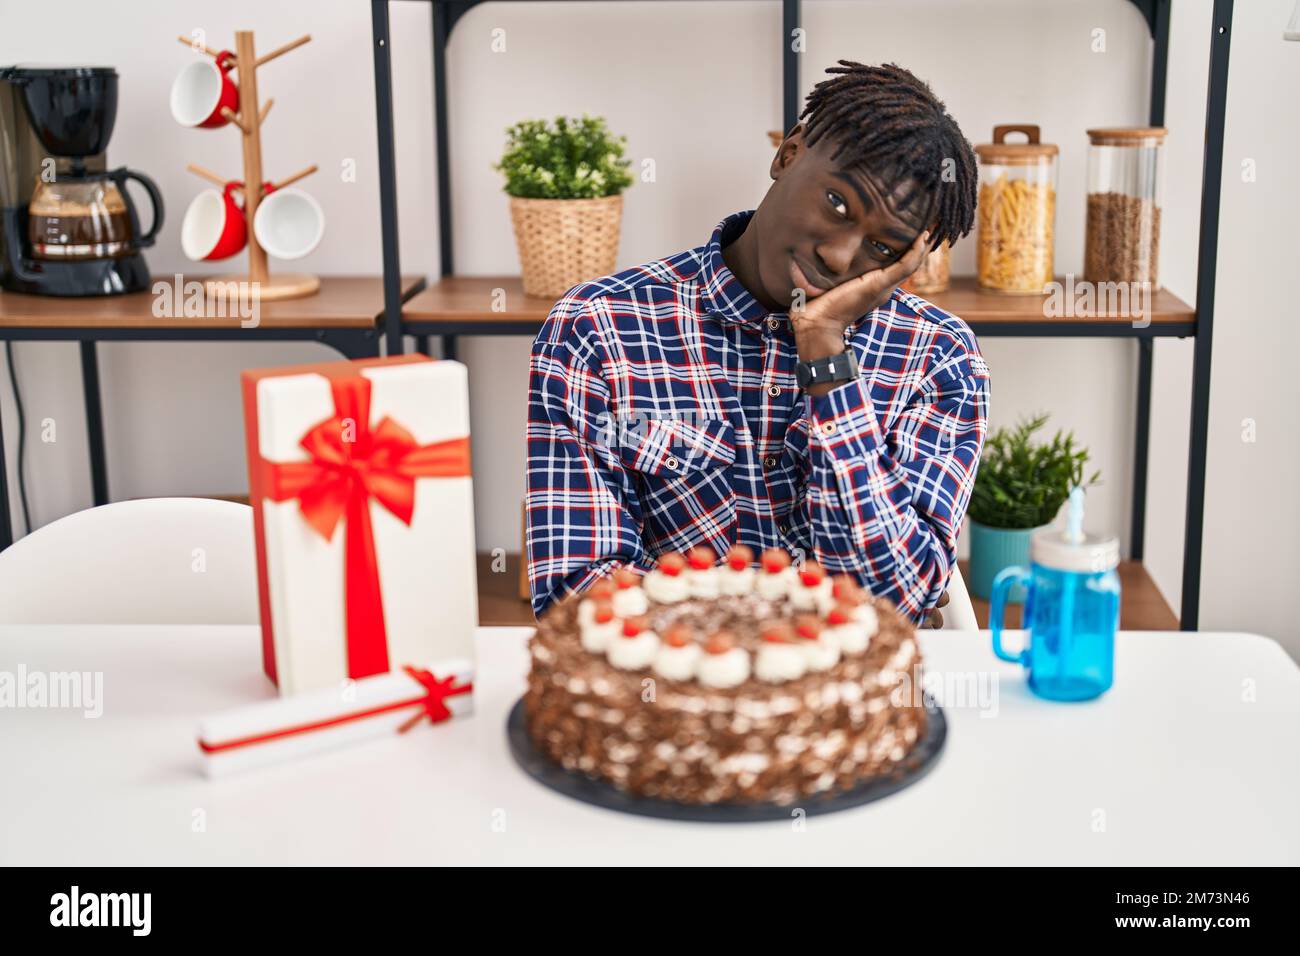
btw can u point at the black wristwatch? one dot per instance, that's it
(833, 369)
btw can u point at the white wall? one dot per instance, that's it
(1251, 548)
(695, 86)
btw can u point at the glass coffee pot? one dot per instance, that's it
(90, 216)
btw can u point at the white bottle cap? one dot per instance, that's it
(1053, 548)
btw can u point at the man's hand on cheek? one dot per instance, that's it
(819, 325)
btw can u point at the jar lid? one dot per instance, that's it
(1126, 135)
(1051, 548)
(1027, 153)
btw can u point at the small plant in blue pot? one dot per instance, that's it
(1019, 488)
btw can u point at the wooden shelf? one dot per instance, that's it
(1142, 607)
(467, 301)
(463, 305)
(996, 314)
(343, 302)
(499, 603)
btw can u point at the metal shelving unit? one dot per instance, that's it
(436, 312)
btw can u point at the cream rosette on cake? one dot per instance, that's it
(630, 599)
(601, 627)
(737, 574)
(602, 592)
(777, 577)
(701, 575)
(780, 658)
(848, 629)
(634, 648)
(679, 654)
(723, 664)
(667, 583)
(813, 590)
(818, 653)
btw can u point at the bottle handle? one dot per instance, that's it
(997, 608)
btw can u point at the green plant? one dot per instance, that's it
(1023, 485)
(571, 158)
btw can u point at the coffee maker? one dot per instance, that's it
(69, 226)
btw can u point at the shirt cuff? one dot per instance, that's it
(843, 421)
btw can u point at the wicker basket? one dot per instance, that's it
(563, 242)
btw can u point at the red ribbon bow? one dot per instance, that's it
(431, 706)
(434, 706)
(350, 464)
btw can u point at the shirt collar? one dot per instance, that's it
(721, 293)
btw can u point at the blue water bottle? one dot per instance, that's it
(1071, 610)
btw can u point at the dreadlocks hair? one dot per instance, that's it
(887, 120)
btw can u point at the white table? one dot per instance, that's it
(1175, 765)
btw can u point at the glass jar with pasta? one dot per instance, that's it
(933, 274)
(1016, 212)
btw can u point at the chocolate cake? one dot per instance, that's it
(725, 683)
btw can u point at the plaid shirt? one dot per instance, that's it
(663, 413)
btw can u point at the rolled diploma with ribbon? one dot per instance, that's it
(277, 730)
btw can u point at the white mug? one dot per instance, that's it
(288, 223)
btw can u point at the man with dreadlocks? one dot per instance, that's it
(773, 387)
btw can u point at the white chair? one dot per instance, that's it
(150, 561)
(959, 612)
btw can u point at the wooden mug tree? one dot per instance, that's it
(249, 121)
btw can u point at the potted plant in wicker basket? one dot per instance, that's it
(565, 180)
(1019, 488)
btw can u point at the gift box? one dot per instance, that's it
(277, 730)
(359, 478)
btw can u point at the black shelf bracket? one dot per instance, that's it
(1216, 104)
(1148, 10)
(1158, 21)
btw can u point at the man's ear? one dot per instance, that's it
(789, 149)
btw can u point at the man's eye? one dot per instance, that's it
(883, 249)
(837, 200)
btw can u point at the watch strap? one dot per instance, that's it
(830, 369)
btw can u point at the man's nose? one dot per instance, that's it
(839, 254)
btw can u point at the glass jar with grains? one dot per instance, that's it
(1125, 179)
(1016, 212)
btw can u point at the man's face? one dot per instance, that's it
(822, 224)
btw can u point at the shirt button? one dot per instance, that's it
(774, 390)
(769, 461)
(773, 324)
(671, 462)
(828, 428)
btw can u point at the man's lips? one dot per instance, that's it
(802, 281)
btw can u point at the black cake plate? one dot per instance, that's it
(572, 783)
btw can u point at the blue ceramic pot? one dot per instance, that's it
(991, 550)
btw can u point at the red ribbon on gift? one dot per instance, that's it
(350, 464)
(435, 706)
(432, 705)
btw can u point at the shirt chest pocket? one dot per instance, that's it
(682, 473)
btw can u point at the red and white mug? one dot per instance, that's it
(203, 89)
(215, 226)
